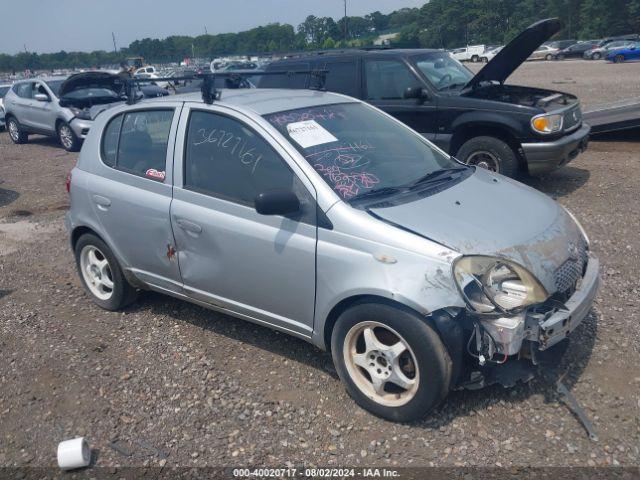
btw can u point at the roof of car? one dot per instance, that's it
(43, 79)
(265, 100)
(356, 51)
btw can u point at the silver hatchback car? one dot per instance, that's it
(323, 217)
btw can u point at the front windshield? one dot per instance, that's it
(54, 85)
(357, 149)
(442, 70)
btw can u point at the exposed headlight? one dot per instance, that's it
(547, 123)
(82, 114)
(491, 284)
(578, 224)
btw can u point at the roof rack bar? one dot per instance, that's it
(209, 91)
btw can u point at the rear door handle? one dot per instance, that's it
(102, 202)
(189, 226)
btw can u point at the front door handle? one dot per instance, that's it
(102, 202)
(189, 226)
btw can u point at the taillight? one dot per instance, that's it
(69, 182)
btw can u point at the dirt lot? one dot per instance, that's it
(168, 383)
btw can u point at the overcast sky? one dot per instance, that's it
(85, 25)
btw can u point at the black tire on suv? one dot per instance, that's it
(17, 134)
(424, 355)
(67, 138)
(490, 153)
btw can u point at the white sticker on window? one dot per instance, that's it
(309, 133)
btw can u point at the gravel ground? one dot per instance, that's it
(595, 82)
(169, 383)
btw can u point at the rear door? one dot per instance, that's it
(343, 75)
(260, 267)
(131, 191)
(21, 107)
(385, 81)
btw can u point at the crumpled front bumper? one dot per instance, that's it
(549, 328)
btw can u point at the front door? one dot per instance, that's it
(386, 81)
(134, 180)
(260, 267)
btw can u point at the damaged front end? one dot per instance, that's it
(510, 319)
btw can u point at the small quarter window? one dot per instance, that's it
(110, 141)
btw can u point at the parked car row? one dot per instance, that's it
(558, 50)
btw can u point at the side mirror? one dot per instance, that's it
(277, 202)
(418, 93)
(41, 97)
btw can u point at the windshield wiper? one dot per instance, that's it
(376, 192)
(437, 176)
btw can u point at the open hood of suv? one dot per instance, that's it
(516, 52)
(86, 80)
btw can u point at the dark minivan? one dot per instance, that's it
(476, 118)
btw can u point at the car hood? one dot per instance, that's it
(488, 214)
(84, 80)
(516, 51)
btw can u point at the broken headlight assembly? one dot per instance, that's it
(495, 285)
(547, 123)
(82, 114)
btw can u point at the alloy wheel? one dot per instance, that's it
(484, 159)
(66, 136)
(13, 130)
(96, 272)
(381, 363)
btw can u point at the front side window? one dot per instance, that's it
(388, 79)
(442, 70)
(357, 149)
(136, 142)
(226, 159)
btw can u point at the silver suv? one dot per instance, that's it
(321, 216)
(62, 107)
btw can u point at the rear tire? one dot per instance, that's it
(101, 274)
(423, 362)
(596, 56)
(16, 133)
(548, 57)
(618, 59)
(490, 153)
(67, 138)
(475, 59)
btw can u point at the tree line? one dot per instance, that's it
(437, 24)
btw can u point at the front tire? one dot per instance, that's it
(67, 138)
(392, 363)
(618, 59)
(475, 59)
(490, 153)
(16, 133)
(548, 57)
(595, 56)
(101, 274)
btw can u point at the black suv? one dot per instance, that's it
(477, 118)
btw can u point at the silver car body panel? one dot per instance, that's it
(291, 275)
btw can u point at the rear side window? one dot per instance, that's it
(286, 81)
(341, 77)
(136, 143)
(224, 158)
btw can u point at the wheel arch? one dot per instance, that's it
(466, 131)
(449, 328)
